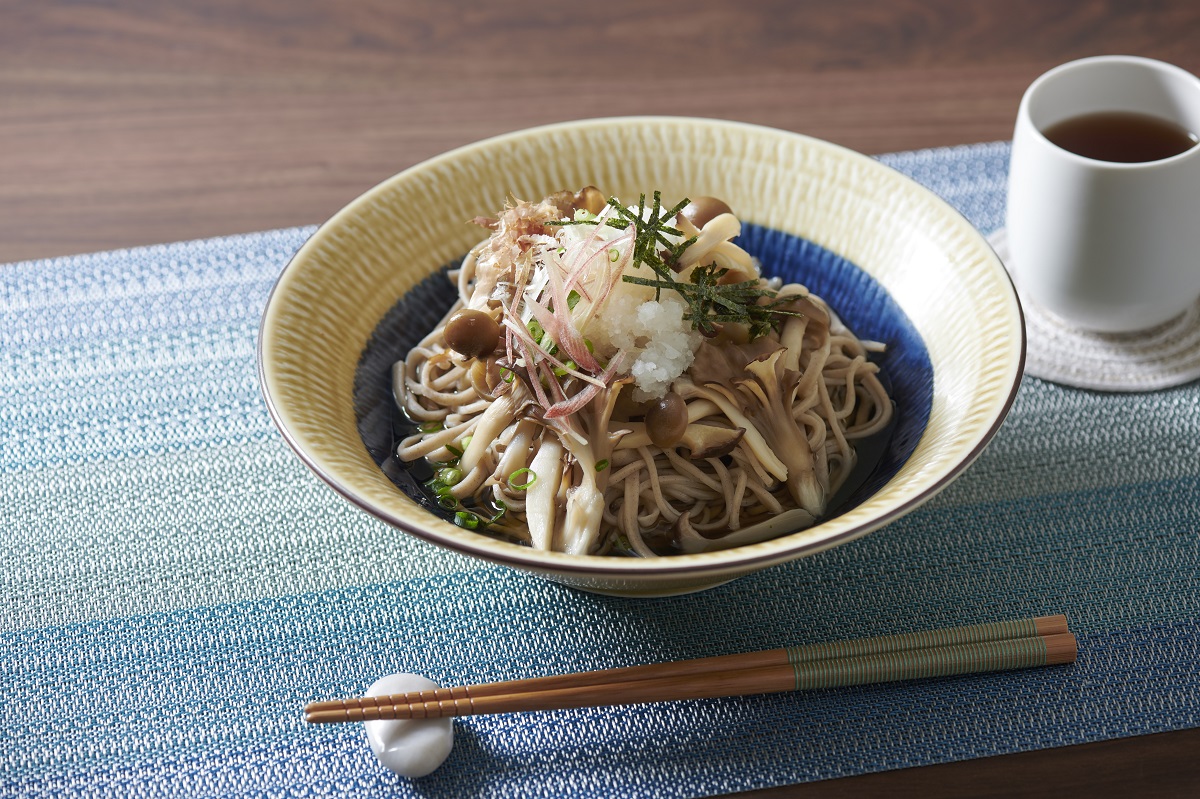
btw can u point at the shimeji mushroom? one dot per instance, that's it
(590, 443)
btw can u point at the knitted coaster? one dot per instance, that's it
(1145, 360)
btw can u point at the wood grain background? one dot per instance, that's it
(130, 122)
(137, 121)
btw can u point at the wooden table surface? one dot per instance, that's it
(133, 122)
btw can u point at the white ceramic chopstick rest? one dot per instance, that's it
(409, 747)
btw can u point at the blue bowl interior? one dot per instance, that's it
(864, 306)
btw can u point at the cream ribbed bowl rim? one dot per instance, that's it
(870, 515)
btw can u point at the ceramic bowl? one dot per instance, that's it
(896, 262)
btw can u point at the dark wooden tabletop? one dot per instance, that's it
(131, 122)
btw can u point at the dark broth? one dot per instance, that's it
(1121, 137)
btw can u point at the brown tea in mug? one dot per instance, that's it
(1121, 136)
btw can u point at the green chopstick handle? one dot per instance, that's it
(942, 661)
(969, 634)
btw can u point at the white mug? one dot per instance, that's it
(1106, 245)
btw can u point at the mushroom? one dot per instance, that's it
(703, 209)
(666, 420)
(541, 503)
(709, 441)
(499, 415)
(699, 439)
(484, 376)
(766, 398)
(717, 231)
(472, 333)
(723, 362)
(589, 441)
(590, 199)
(812, 323)
(756, 444)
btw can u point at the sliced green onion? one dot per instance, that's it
(455, 451)
(559, 371)
(536, 330)
(501, 509)
(506, 375)
(601, 465)
(445, 497)
(431, 427)
(614, 255)
(466, 519)
(522, 486)
(562, 250)
(572, 299)
(466, 442)
(449, 475)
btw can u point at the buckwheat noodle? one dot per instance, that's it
(548, 445)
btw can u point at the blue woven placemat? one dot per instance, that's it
(177, 585)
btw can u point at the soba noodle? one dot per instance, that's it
(621, 380)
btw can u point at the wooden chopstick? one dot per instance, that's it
(982, 647)
(940, 661)
(974, 633)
